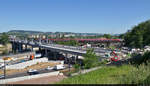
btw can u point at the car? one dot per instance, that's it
(49, 68)
(32, 72)
(2, 76)
(2, 65)
(59, 67)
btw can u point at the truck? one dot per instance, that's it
(31, 56)
(114, 57)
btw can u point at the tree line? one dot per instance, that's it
(4, 39)
(138, 36)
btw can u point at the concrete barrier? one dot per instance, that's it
(18, 55)
(27, 63)
(5, 81)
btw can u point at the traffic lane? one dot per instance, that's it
(17, 75)
(41, 71)
(26, 74)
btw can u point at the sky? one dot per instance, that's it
(87, 16)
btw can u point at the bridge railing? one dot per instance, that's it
(78, 48)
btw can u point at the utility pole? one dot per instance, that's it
(40, 39)
(47, 40)
(4, 69)
(69, 64)
(80, 66)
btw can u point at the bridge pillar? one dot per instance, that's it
(46, 53)
(55, 55)
(108, 44)
(25, 46)
(66, 56)
(14, 47)
(40, 40)
(39, 49)
(31, 48)
(32, 40)
(76, 59)
(47, 41)
(20, 47)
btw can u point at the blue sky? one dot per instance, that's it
(94, 16)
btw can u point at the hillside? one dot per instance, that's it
(126, 74)
(138, 36)
(40, 32)
(24, 32)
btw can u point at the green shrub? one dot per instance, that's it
(145, 58)
(137, 75)
(104, 75)
(90, 59)
(77, 67)
(139, 59)
(5, 52)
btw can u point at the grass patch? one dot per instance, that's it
(137, 75)
(125, 74)
(105, 75)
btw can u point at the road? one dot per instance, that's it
(40, 71)
(26, 74)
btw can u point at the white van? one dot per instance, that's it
(59, 67)
(38, 55)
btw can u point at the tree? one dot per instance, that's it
(138, 36)
(108, 36)
(4, 39)
(90, 59)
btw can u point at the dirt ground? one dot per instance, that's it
(43, 80)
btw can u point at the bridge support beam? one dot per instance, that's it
(31, 48)
(20, 47)
(47, 41)
(76, 57)
(39, 49)
(66, 56)
(14, 47)
(46, 53)
(40, 40)
(55, 57)
(108, 44)
(25, 46)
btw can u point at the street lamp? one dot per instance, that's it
(4, 69)
(69, 64)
